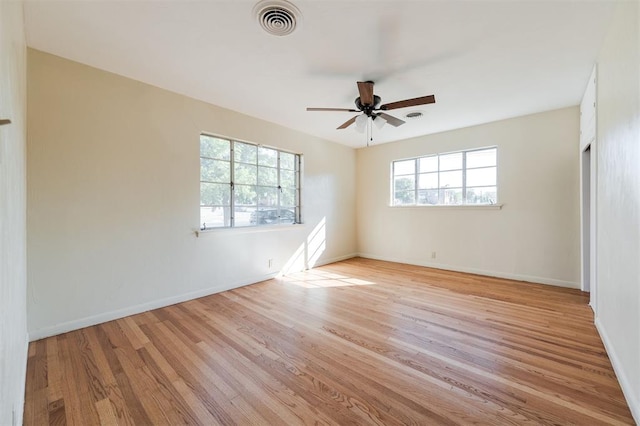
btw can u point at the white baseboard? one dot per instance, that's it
(19, 408)
(137, 309)
(632, 400)
(336, 259)
(155, 304)
(497, 274)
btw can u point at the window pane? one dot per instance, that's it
(481, 177)
(407, 167)
(214, 148)
(429, 196)
(243, 216)
(245, 174)
(444, 178)
(267, 176)
(429, 164)
(245, 153)
(428, 180)
(267, 197)
(265, 184)
(404, 183)
(451, 179)
(215, 170)
(287, 178)
(287, 215)
(287, 161)
(451, 161)
(267, 157)
(267, 216)
(451, 196)
(486, 195)
(288, 197)
(215, 217)
(404, 198)
(484, 158)
(215, 194)
(245, 195)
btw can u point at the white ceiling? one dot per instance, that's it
(483, 60)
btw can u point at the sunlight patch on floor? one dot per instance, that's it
(321, 279)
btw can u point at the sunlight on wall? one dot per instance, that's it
(307, 255)
(316, 243)
(298, 271)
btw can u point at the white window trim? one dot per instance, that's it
(497, 206)
(199, 232)
(249, 229)
(494, 206)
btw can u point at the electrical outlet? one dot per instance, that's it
(270, 263)
(433, 254)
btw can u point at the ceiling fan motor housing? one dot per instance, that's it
(368, 109)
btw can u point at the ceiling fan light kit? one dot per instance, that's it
(369, 106)
(361, 123)
(379, 122)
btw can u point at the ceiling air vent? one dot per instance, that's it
(277, 17)
(413, 115)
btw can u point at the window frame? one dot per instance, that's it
(464, 169)
(233, 205)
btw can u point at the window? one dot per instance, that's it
(465, 177)
(243, 184)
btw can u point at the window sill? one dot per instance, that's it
(247, 229)
(454, 207)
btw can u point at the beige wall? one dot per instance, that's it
(113, 177)
(13, 255)
(618, 199)
(534, 237)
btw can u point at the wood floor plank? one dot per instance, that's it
(355, 342)
(133, 333)
(54, 377)
(113, 392)
(430, 389)
(195, 374)
(57, 415)
(106, 413)
(75, 413)
(130, 407)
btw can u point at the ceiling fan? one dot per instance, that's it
(369, 105)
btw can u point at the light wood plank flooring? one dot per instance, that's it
(355, 342)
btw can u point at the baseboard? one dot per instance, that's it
(623, 379)
(497, 274)
(155, 304)
(19, 413)
(137, 309)
(336, 259)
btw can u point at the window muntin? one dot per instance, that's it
(243, 184)
(457, 178)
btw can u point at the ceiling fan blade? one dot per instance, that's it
(409, 102)
(366, 92)
(347, 123)
(333, 109)
(395, 122)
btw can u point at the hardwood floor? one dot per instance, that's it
(355, 342)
